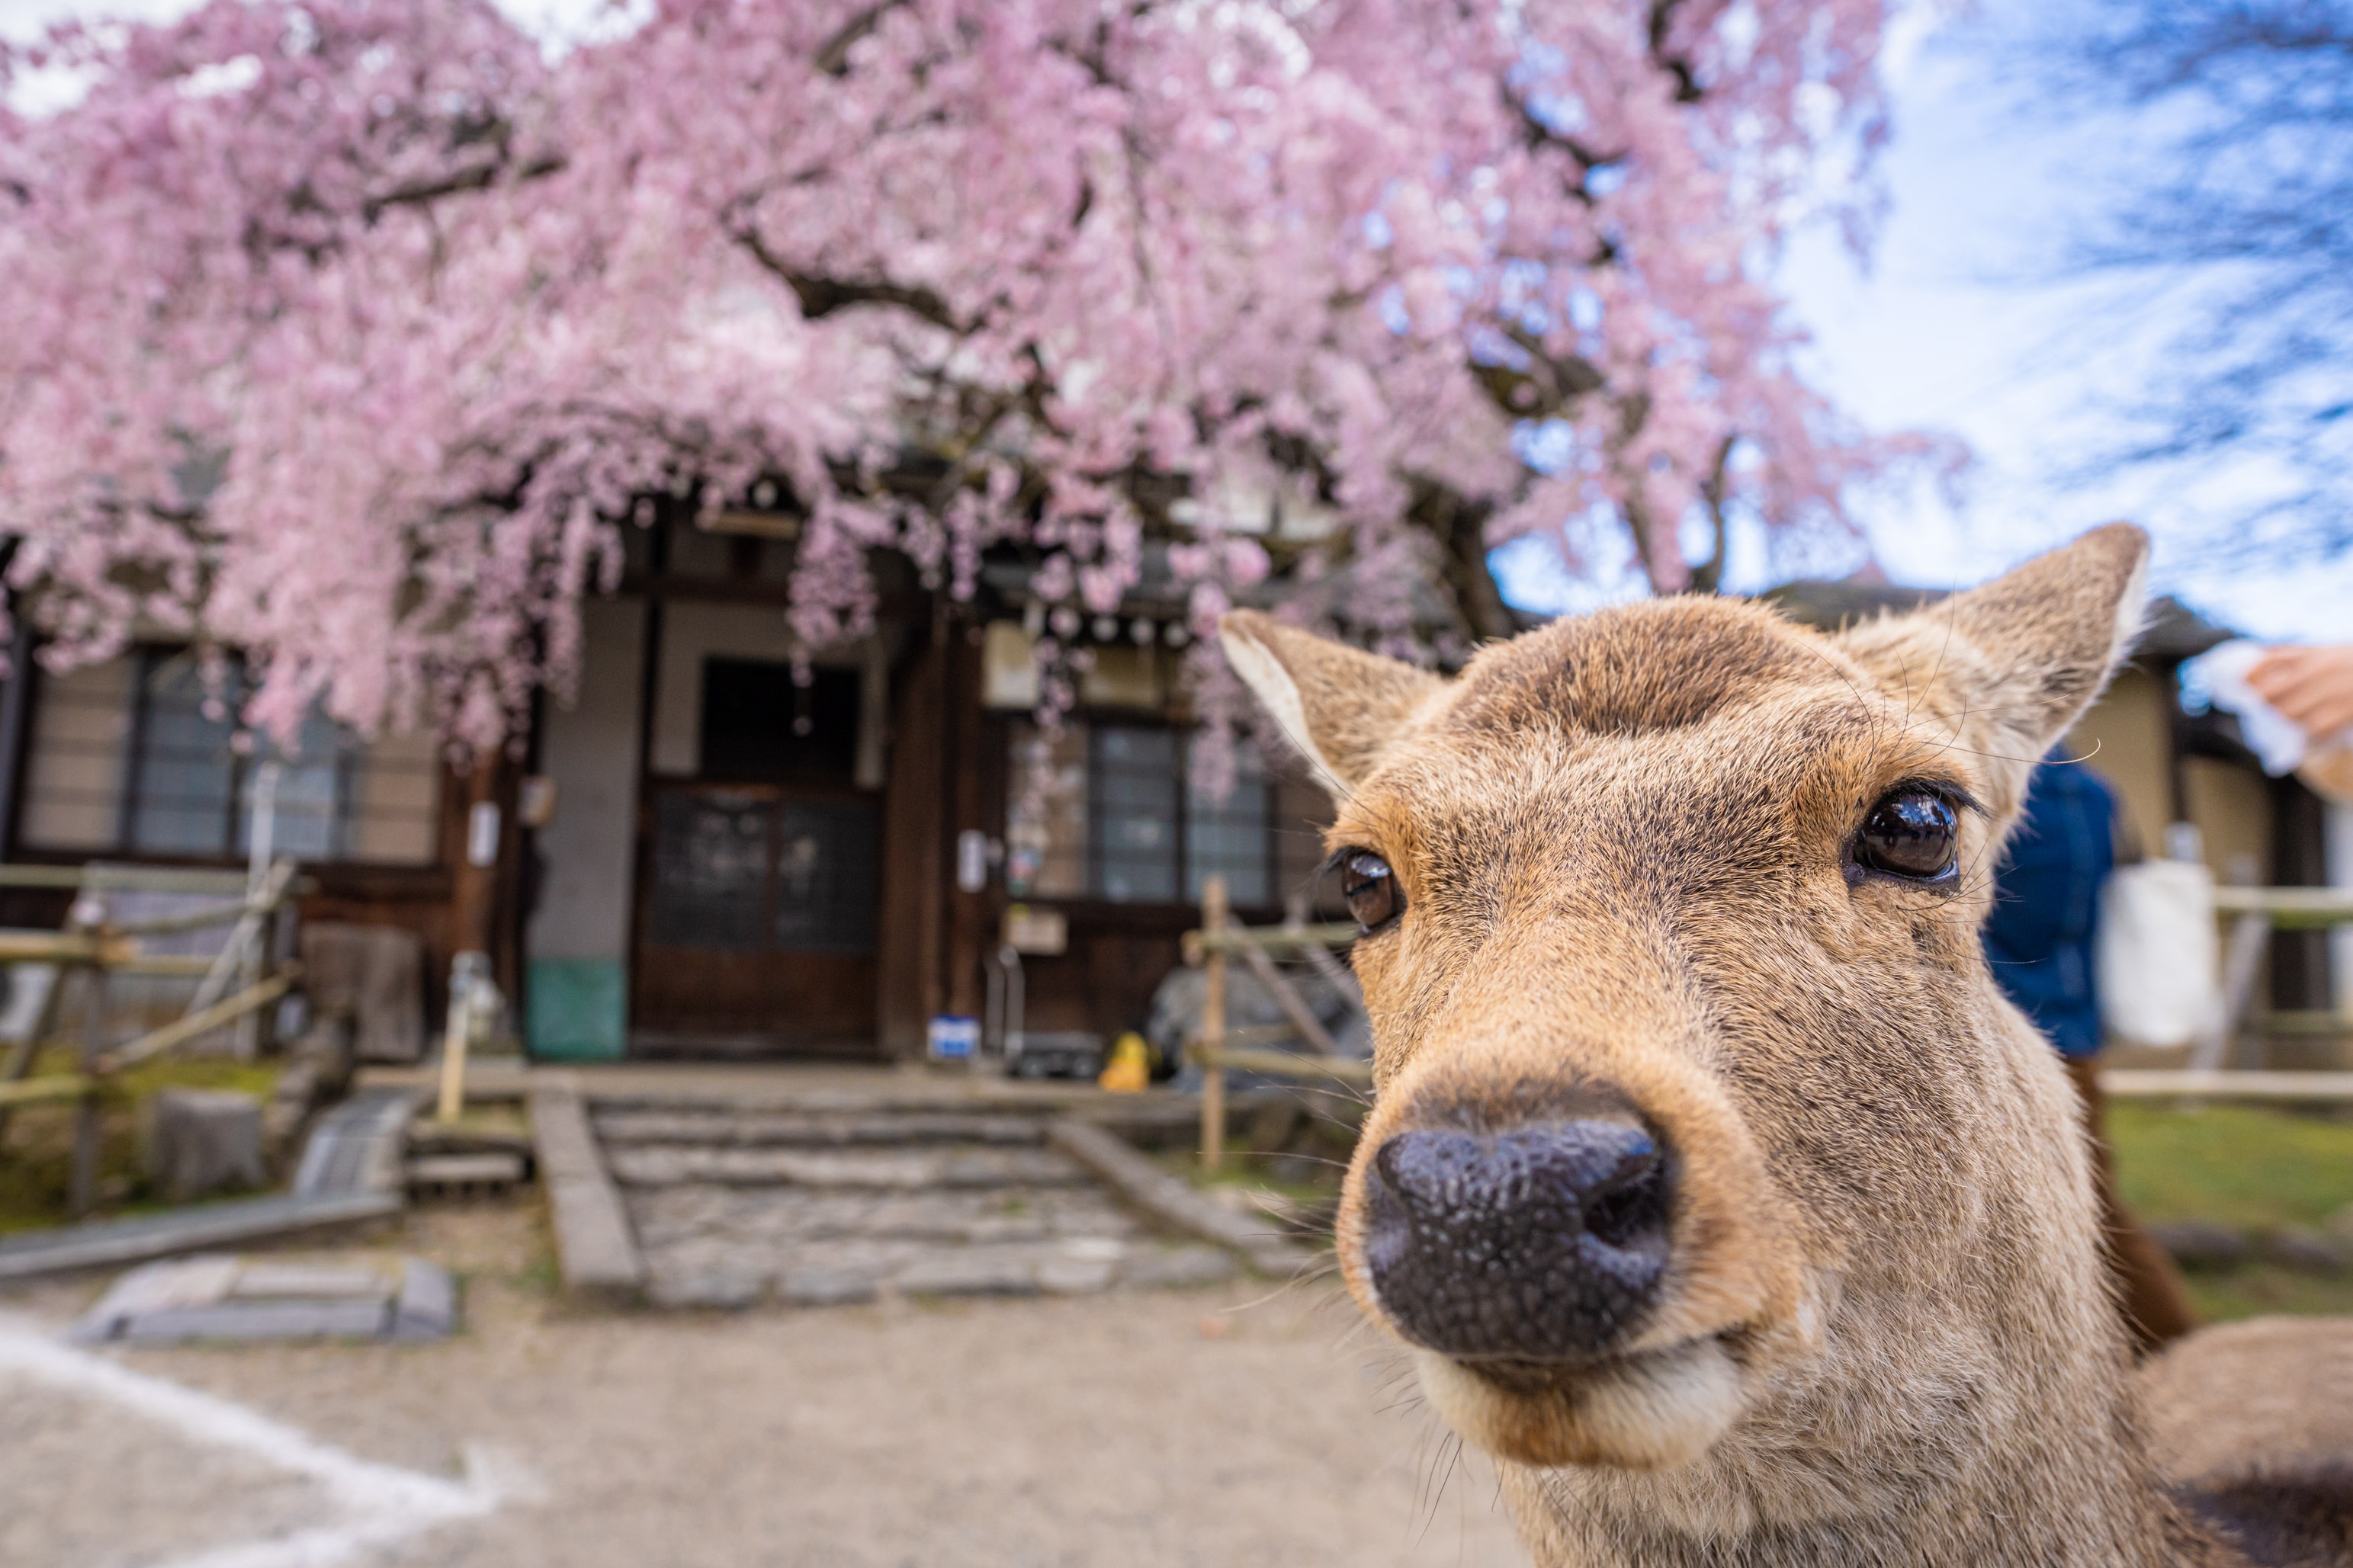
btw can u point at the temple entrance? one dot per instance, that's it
(755, 932)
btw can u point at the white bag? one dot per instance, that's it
(2158, 970)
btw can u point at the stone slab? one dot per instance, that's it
(357, 1146)
(220, 1297)
(594, 1247)
(492, 1170)
(107, 1243)
(1174, 1201)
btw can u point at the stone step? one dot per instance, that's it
(617, 1129)
(852, 1272)
(497, 1171)
(770, 1222)
(896, 1169)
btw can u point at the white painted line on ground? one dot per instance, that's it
(385, 1504)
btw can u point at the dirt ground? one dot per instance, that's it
(1134, 1428)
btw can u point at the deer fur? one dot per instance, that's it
(1886, 1337)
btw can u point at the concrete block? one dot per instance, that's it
(202, 1141)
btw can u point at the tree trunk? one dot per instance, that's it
(1459, 527)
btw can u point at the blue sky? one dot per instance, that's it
(1943, 330)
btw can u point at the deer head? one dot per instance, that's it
(1707, 1159)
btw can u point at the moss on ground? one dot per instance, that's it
(35, 1151)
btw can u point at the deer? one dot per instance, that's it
(1709, 1183)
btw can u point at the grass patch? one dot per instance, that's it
(2237, 1165)
(2253, 1169)
(2260, 1290)
(35, 1155)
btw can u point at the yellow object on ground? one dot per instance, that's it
(1130, 1066)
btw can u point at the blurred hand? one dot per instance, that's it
(2313, 687)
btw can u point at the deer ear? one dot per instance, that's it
(1341, 707)
(2012, 665)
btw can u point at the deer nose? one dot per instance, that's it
(1544, 1242)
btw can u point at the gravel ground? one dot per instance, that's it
(1135, 1428)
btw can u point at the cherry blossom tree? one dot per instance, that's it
(354, 333)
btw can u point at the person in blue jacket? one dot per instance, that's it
(2040, 938)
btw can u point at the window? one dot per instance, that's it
(142, 756)
(1107, 812)
(741, 870)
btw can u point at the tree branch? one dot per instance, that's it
(1662, 21)
(820, 295)
(480, 177)
(1549, 383)
(1707, 577)
(1458, 525)
(833, 56)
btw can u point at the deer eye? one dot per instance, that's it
(1913, 833)
(1370, 887)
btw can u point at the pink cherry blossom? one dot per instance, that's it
(354, 333)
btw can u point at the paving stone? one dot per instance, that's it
(903, 1170)
(1179, 1268)
(971, 1271)
(1076, 1276)
(704, 1288)
(826, 1287)
(758, 1128)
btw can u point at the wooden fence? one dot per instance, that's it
(233, 986)
(1216, 1047)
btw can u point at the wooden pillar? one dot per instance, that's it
(473, 898)
(474, 885)
(16, 709)
(970, 936)
(911, 969)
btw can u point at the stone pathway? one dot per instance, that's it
(733, 1207)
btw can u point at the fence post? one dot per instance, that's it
(82, 1181)
(1213, 1024)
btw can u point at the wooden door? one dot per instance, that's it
(757, 934)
